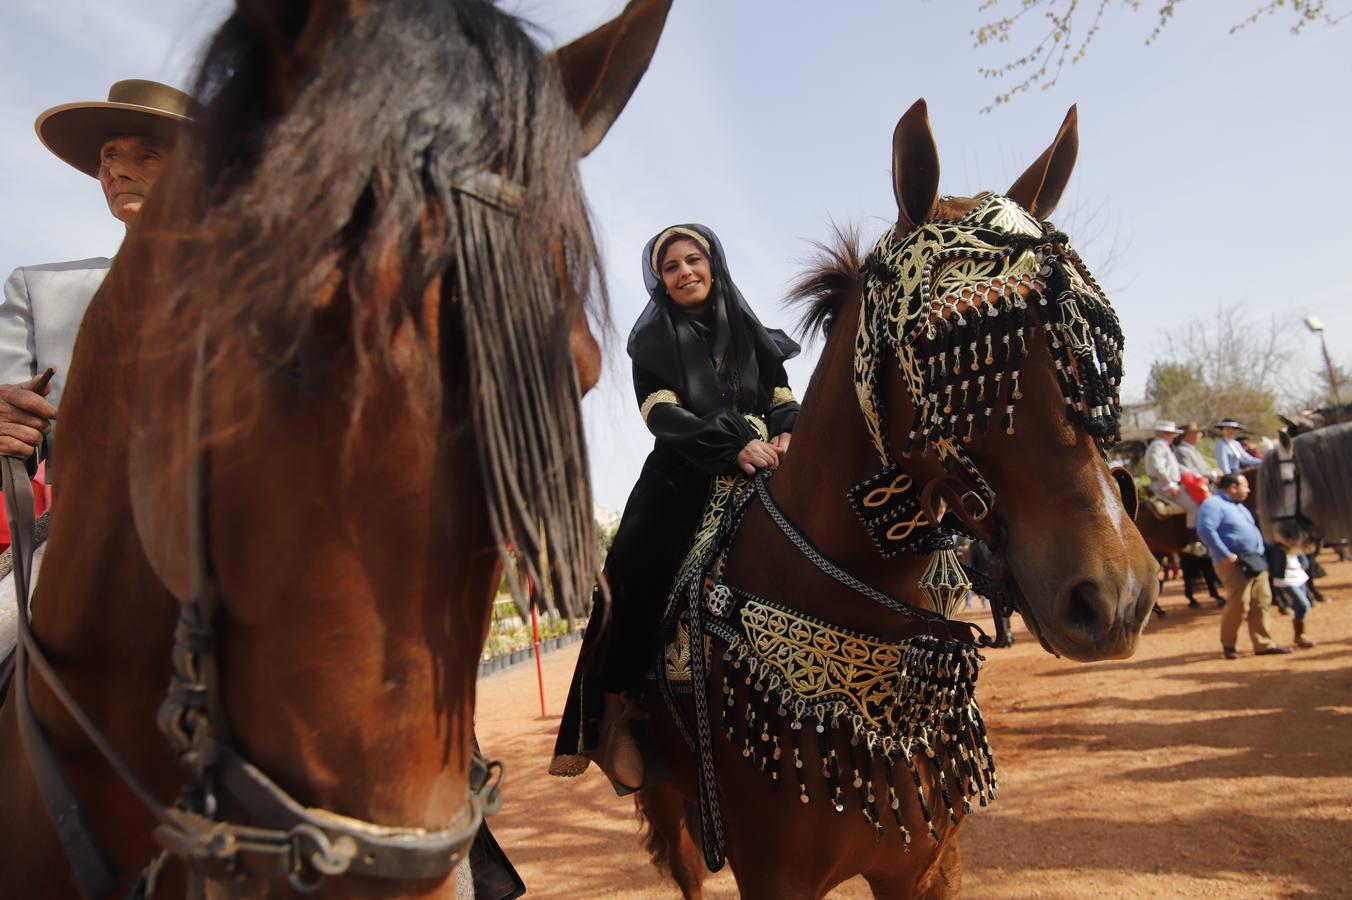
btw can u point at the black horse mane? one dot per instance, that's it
(833, 277)
(322, 192)
(1324, 460)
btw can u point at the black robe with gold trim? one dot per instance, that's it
(697, 380)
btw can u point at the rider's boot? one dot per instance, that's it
(618, 755)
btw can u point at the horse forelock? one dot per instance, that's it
(341, 214)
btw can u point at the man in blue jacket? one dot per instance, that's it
(1232, 538)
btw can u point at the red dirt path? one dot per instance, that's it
(1173, 774)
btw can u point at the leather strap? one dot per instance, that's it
(934, 624)
(360, 847)
(93, 874)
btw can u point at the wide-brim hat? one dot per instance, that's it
(76, 132)
(1190, 427)
(1229, 423)
(1168, 426)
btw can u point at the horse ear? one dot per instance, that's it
(1039, 189)
(915, 167)
(600, 70)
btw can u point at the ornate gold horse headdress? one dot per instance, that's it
(954, 302)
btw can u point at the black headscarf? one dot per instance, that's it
(681, 349)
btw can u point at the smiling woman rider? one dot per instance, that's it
(704, 366)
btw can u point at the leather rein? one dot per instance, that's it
(285, 838)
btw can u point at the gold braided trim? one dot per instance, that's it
(781, 396)
(655, 398)
(820, 663)
(724, 492)
(905, 696)
(762, 430)
(676, 655)
(569, 766)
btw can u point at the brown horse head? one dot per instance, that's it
(376, 264)
(975, 312)
(443, 251)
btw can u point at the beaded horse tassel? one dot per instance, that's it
(945, 583)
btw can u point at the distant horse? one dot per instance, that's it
(1307, 479)
(1170, 536)
(812, 799)
(333, 374)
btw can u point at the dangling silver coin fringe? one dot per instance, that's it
(790, 680)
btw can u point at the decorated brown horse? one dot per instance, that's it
(332, 376)
(830, 730)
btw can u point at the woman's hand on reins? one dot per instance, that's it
(757, 454)
(781, 443)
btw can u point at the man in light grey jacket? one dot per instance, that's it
(123, 142)
(1190, 458)
(1165, 475)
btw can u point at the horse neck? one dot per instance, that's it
(100, 613)
(830, 453)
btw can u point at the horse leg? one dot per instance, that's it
(668, 841)
(1189, 565)
(941, 881)
(944, 879)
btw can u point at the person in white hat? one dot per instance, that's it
(123, 142)
(1165, 474)
(1231, 457)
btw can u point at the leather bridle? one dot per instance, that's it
(1297, 514)
(283, 837)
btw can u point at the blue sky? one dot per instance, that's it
(1213, 167)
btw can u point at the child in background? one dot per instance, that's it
(1289, 578)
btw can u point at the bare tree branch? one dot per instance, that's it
(1063, 43)
(1228, 364)
(1098, 237)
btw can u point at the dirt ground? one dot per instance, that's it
(1173, 774)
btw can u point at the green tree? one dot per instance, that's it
(1170, 382)
(1070, 26)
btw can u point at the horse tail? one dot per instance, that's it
(660, 812)
(651, 834)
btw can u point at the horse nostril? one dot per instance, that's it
(1082, 608)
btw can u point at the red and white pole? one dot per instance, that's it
(539, 663)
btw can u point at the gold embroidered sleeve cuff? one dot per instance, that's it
(655, 398)
(781, 396)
